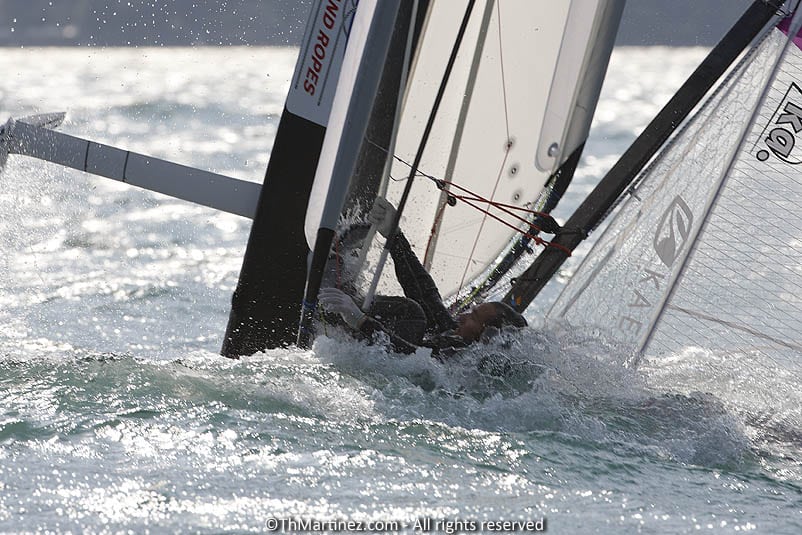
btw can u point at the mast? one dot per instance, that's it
(603, 197)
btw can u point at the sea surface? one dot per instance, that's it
(118, 415)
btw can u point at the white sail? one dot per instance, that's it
(519, 101)
(706, 251)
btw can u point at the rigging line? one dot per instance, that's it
(503, 207)
(538, 240)
(546, 201)
(497, 204)
(466, 200)
(507, 148)
(501, 65)
(473, 196)
(456, 141)
(421, 146)
(484, 218)
(439, 181)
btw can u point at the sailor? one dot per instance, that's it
(420, 319)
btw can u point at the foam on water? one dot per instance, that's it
(539, 382)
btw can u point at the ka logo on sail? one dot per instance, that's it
(783, 127)
(673, 231)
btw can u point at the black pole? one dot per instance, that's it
(266, 303)
(602, 198)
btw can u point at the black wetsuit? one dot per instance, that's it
(419, 320)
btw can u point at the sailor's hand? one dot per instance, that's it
(337, 301)
(382, 215)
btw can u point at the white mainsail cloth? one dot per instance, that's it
(706, 250)
(518, 103)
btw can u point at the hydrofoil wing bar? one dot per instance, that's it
(36, 140)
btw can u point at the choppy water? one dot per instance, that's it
(117, 414)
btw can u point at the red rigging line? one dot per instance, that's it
(500, 205)
(472, 196)
(538, 240)
(486, 213)
(503, 207)
(507, 148)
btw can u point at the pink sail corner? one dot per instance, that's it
(785, 26)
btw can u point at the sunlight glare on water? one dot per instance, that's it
(118, 414)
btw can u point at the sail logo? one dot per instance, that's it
(673, 231)
(320, 59)
(319, 48)
(784, 126)
(649, 281)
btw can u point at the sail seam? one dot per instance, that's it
(733, 325)
(501, 67)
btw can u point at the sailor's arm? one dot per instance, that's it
(337, 301)
(416, 282)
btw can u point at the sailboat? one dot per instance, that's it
(471, 117)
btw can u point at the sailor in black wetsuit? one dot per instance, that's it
(420, 318)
